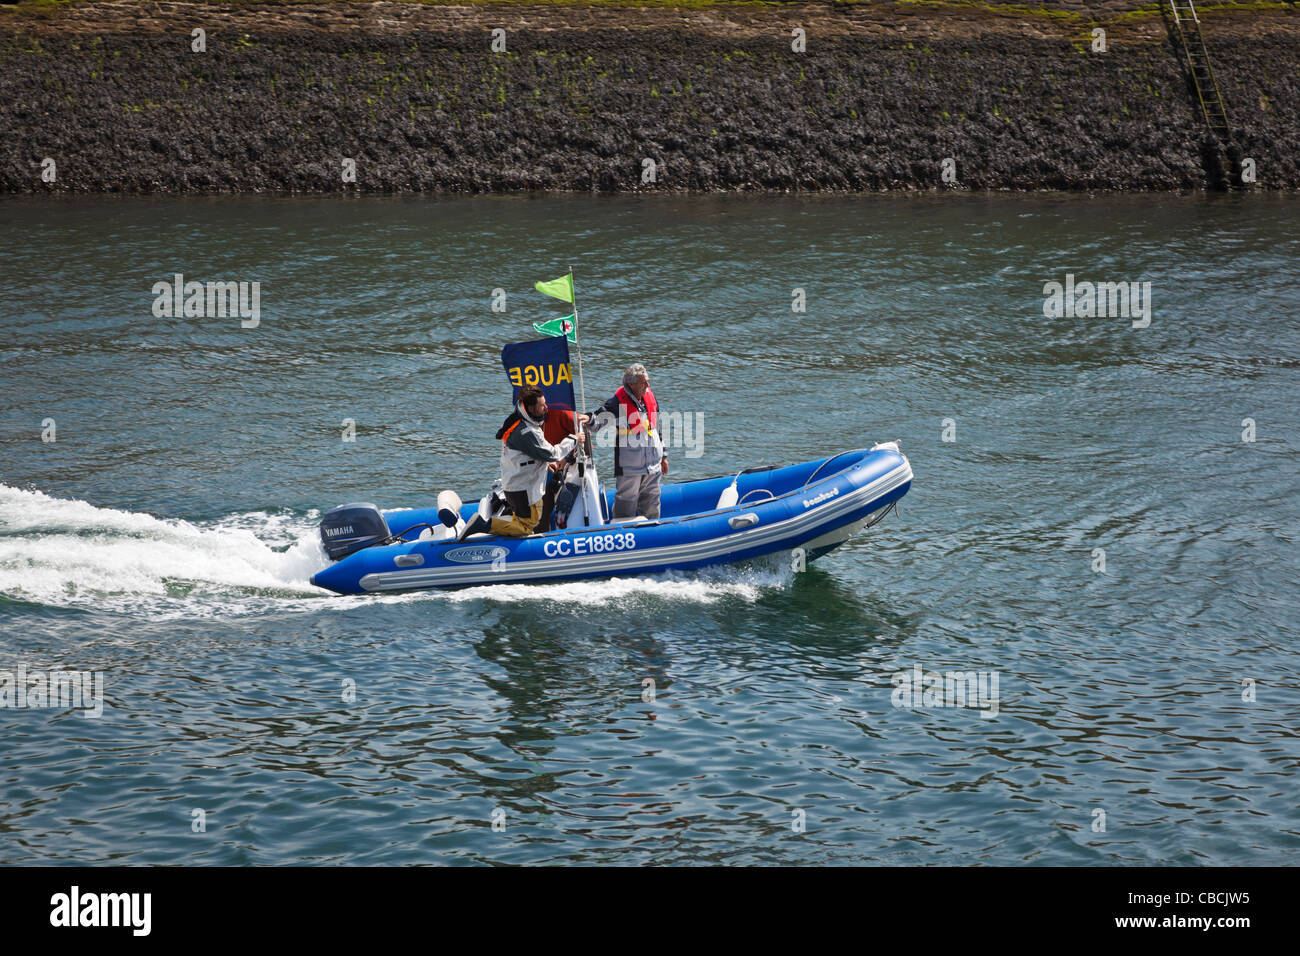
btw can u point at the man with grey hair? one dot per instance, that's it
(639, 459)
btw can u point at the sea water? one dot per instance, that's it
(1101, 534)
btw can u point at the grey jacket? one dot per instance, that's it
(525, 453)
(635, 453)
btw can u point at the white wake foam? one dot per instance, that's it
(705, 586)
(71, 553)
(68, 552)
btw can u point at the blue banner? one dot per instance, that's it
(543, 362)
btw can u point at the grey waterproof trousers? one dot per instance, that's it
(637, 495)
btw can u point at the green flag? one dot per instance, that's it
(561, 288)
(566, 326)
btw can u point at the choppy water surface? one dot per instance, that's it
(167, 535)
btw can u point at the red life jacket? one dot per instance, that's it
(633, 414)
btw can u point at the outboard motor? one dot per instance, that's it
(349, 528)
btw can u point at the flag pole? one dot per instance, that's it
(577, 342)
(582, 403)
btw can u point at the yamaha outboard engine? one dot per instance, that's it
(349, 528)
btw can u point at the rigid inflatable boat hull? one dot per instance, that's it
(815, 505)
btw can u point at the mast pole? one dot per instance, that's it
(582, 403)
(577, 343)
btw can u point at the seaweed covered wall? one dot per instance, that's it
(128, 97)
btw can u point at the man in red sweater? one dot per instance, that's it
(557, 427)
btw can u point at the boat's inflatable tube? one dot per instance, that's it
(816, 506)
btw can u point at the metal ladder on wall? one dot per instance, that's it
(1198, 62)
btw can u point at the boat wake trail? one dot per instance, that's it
(70, 553)
(704, 586)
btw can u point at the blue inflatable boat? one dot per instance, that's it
(813, 507)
